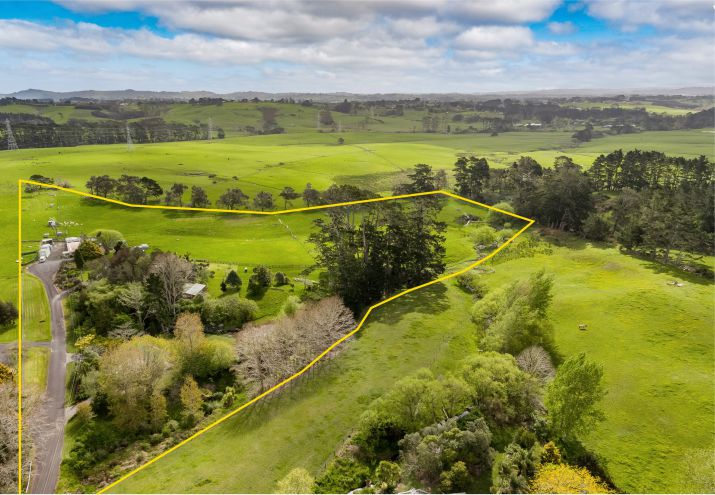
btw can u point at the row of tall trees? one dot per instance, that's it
(47, 134)
(649, 169)
(129, 188)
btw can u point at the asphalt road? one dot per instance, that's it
(51, 416)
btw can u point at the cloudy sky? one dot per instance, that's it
(415, 46)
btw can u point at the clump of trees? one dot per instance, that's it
(146, 387)
(129, 188)
(270, 353)
(513, 318)
(381, 250)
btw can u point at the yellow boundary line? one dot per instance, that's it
(529, 221)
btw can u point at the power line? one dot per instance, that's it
(11, 143)
(130, 144)
(211, 129)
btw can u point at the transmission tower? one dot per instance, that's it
(211, 129)
(317, 121)
(11, 143)
(130, 143)
(340, 126)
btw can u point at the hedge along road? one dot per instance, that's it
(21, 182)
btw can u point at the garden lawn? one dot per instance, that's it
(34, 369)
(35, 311)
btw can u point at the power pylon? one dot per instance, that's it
(317, 121)
(211, 129)
(130, 143)
(11, 143)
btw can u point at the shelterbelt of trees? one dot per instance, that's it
(150, 121)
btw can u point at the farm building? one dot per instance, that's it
(72, 243)
(193, 290)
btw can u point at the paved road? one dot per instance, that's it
(46, 467)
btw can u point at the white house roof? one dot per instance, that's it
(193, 289)
(72, 245)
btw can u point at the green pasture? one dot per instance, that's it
(224, 240)
(35, 361)
(302, 426)
(35, 312)
(655, 342)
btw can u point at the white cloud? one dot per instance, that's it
(496, 38)
(507, 11)
(683, 15)
(567, 27)
(380, 45)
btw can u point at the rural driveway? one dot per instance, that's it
(51, 416)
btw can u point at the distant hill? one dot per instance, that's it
(130, 94)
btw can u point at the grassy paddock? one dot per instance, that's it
(655, 342)
(302, 426)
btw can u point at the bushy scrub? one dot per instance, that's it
(498, 219)
(596, 227)
(513, 469)
(343, 475)
(472, 284)
(484, 236)
(446, 453)
(227, 313)
(513, 318)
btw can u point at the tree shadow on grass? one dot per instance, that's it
(430, 300)
(673, 271)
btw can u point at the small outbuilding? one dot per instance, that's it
(72, 243)
(193, 290)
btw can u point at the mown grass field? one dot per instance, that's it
(35, 313)
(35, 361)
(655, 342)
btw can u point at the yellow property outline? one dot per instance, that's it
(20, 183)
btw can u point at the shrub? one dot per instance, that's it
(291, 305)
(484, 236)
(596, 227)
(89, 250)
(456, 479)
(471, 283)
(550, 454)
(170, 427)
(84, 413)
(387, 475)
(8, 313)
(562, 478)
(260, 280)
(227, 313)
(343, 475)
(280, 278)
(499, 219)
